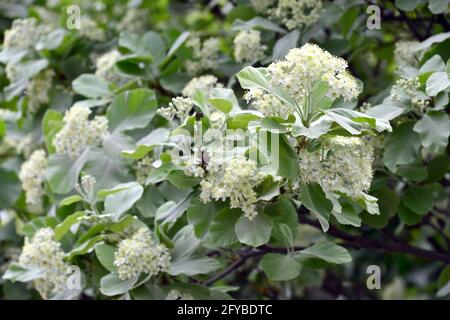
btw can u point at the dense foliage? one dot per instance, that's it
(223, 149)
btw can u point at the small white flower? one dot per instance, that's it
(262, 5)
(38, 88)
(24, 34)
(44, 253)
(79, 132)
(140, 253)
(342, 164)
(91, 30)
(409, 89)
(233, 180)
(404, 56)
(205, 84)
(136, 20)
(301, 70)
(105, 66)
(248, 47)
(143, 168)
(32, 176)
(205, 55)
(297, 13)
(179, 107)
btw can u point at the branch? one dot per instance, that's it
(361, 242)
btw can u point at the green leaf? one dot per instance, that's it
(287, 165)
(255, 232)
(284, 44)
(348, 215)
(91, 86)
(9, 188)
(193, 267)
(355, 122)
(280, 267)
(402, 147)
(407, 216)
(120, 202)
(71, 200)
(85, 247)
(30, 228)
(112, 285)
(434, 64)
(223, 99)
(257, 78)
(155, 138)
(434, 130)
(444, 283)
(222, 231)
(174, 211)
(63, 171)
(62, 228)
(314, 199)
(388, 202)
(385, 111)
(430, 41)
(419, 199)
(184, 258)
(200, 215)
(438, 6)
(326, 251)
(315, 130)
(132, 109)
(406, 5)
(437, 82)
(150, 201)
(51, 124)
(283, 212)
(257, 23)
(105, 254)
(241, 119)
(282, 235)
(437, 168)
(16, 272)
(182, 181)
(177, 44)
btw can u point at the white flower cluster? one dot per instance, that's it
(409, 89)
(43, 252)
(233, 179)
(143, 168)
(205, 84)
(177, 295)
(136, 20)
(248, 47)
(268, 104)
(309, 64)
(91, 30)
(12, 72)
(38, 89)
(204, 53)
(297, 13)
(140, 253)
(24, 34)
(32, 176)
(179, 107)
(342, 164)
(262, 5)
(404, 56)
(79, 132)
(25, 145)
(105, 66)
